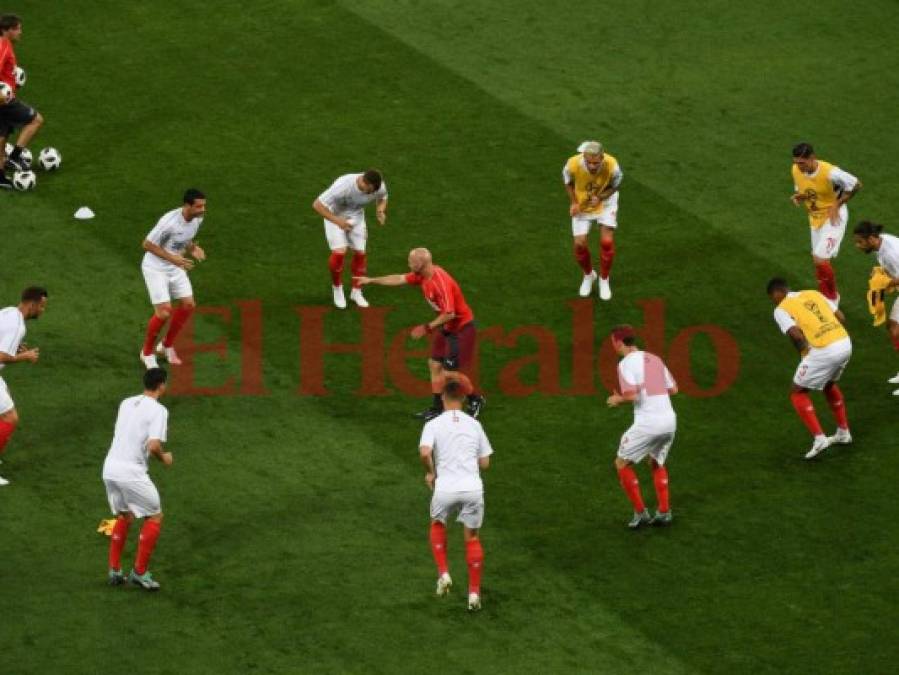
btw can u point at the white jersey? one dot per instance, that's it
(646, 375)
(887, 254)
(173, 234)
(12, 331)
(345, 199)
(141, 418)
(457, 440)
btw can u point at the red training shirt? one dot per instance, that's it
(7, 63)
(444, 295)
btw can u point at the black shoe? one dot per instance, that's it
(428, 414)
(16, 164)
(5, 183)
(476, 405)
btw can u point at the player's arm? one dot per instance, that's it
(154, 447)
(381, 210)
(174, 258)
(573, 208)
(624, 396)
(613, 185)
(798, 339)
(389, 280)
(425, 328)
(842, 182)
(193, 249)
(426, 452)
(326, 213)
(23, 355)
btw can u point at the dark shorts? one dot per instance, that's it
(456, 350)
(15, 114)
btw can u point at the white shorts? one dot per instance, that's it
(823, 365)
(354, 239)
(469, 505)
(826, 239)
(6, 403)
(894, 312)
(608, 216)
(138, 497)
(637, 442)
(165, 285)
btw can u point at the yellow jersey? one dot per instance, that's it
(819, 191)
(587, 185)
(814, 317)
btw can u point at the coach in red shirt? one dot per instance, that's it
(15, 113)
(454, 336)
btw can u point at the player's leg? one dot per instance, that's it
(158, 288)
(441, 508)
(124, 518)
(631, 450)
(838, 362)
(358, 237)
(9, 419)
(893, 331)
(580, 228)
(804, 407)
(5, 183)
(608, 221)
(439, 349)
(26, 133)
(826, 242)
(459, 364)
(657, 459)
(471, 515)
(338, 243)
(182, 291)
(142, 499)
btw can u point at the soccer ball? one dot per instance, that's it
(49, 159)
(6, 93)
(21, 77)
(24, 180)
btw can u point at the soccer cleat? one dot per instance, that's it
(169, 354)
(587, 284)
(148, 361)
(474, 602)
(339, 297)
(820, 444)
(16, 164)
(662, 518)
(476, 405)
(116, 578)
(428, 414)
(144, 580)
(444, 584)
(640, 519)
(894, 379)
(357, 297)
(896, 392)
(5, 183)
(842, 436)
(3, 481)
(605, 289)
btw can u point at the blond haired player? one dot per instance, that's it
(815, 326)
(823, 189)
(592, 178)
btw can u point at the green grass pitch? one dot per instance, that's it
(295, 537)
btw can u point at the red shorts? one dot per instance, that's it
(456, 351)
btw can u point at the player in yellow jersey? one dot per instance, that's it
(823, 189)
(591, 179)
(815, 326)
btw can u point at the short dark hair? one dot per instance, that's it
(625, 334)
(373, 177)
(155, 378)
(193, 194)
(34, 294)
(867, 229)
(803, 150)
(778, 284)
(9, 21)
(454, 390)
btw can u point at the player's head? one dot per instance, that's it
(194, 203)
(867, 236)
(10, 26)
(778, 289)
(370, 181)
(804, 156)
(593, 155)
(155, 380)
(33, 302)
(453, 394)
(624, 338)
(419, 260)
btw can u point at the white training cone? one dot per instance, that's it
(84, 213)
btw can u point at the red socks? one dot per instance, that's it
(117, 542)
(179, 318)
(335, 264)
(582, 255)
(606, 256)
(474, 556)
(660, 479)
(837, 405)
(631, 487)
(6, 430)
(806, 411)
(438, 546)
(358, 266)
(827, 281)
(895, 340)
(153, 327)
(149, 533)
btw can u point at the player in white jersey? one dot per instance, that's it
(343, 207)
(12, 350)
(140, 431)
(454, 450)
(165, 267)
(647, 383)
(869, 238)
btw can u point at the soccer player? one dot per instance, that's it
(32, 304)
(140, 431)
(823, 189)
(815, 326)
(15, 114)
(646, 382)
(454, 450)
(592, 178)
(454, 334)
(165, 267)
(869, 237)
(343, 207)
